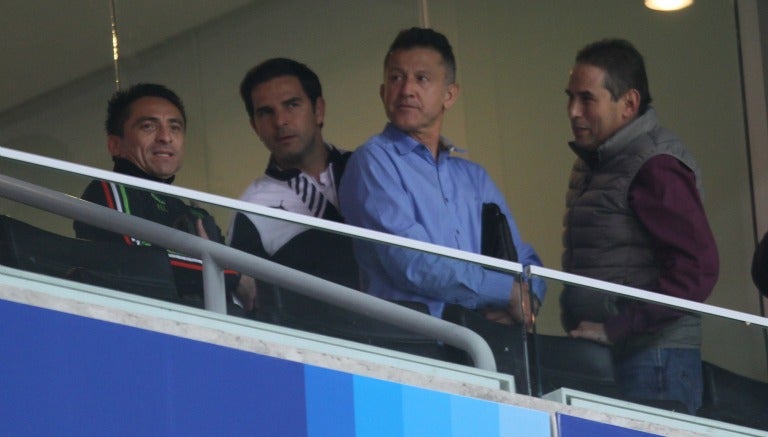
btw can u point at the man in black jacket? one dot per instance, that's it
(146, 127)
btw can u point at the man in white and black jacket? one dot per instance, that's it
(286, 109)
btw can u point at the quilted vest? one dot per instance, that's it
(602, 237)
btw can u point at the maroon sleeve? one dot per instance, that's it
(664, 197)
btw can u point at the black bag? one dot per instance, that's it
(507, 342)
(496, 240)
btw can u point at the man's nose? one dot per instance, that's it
(281, 117)
(574, 109)
(164, 134)
(408, 85)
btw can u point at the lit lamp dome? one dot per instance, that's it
(667, 5)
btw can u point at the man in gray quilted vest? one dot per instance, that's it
(634, 216)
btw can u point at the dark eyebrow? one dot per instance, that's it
(581, 94)
(146, 118)
(140, 120)
(179, 122)
(295, 99)
(262, 109)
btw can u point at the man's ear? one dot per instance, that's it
(381, 93)
(113, 145)
(451, 94)
(253, 125)
(631, 104)
(319, 111)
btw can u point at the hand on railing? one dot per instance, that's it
(591, 331)
(246, 292)
(499, 316)
(519, 309)
(522, 306)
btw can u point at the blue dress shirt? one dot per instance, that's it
(393, 184)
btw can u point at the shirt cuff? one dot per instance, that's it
(495, 289)
(539, 288)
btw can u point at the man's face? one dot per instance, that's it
(285, 121)
(594, 115)
(153, 137)
(416, 92)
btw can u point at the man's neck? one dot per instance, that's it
(313, 163)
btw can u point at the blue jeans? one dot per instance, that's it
(663, 374)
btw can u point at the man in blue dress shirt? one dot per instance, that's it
(406, 181)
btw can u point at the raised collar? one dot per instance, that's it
(124, 166)
(615, 145)
(334, 156)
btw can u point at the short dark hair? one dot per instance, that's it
(425, 38)
(119, 106)
(623, 65)
(277, 67)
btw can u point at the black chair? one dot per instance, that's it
(585, 366)
(330, 256)
(540, 363)
(733, 398)
(573, 363)
(293, 310)
(134, 269)
(508, 344)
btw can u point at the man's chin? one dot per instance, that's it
(405, 125)
(165, 173)
(582, 142)
(586, 145)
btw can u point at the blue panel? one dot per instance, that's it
(473, 417)
(571, 426)
(517, 421)
(426, 412)
(330, 402)
(62, 374)
(378, 408)
(65, 374)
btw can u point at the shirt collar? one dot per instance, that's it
(405, 143)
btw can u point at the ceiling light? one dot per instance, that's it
(667, 5)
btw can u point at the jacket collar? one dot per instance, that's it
(334, 156)
(124, 166)
(615, 145)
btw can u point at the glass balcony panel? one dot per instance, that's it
(283, 296)
(732, 382)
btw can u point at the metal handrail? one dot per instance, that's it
(264, 211)
(215, 255)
